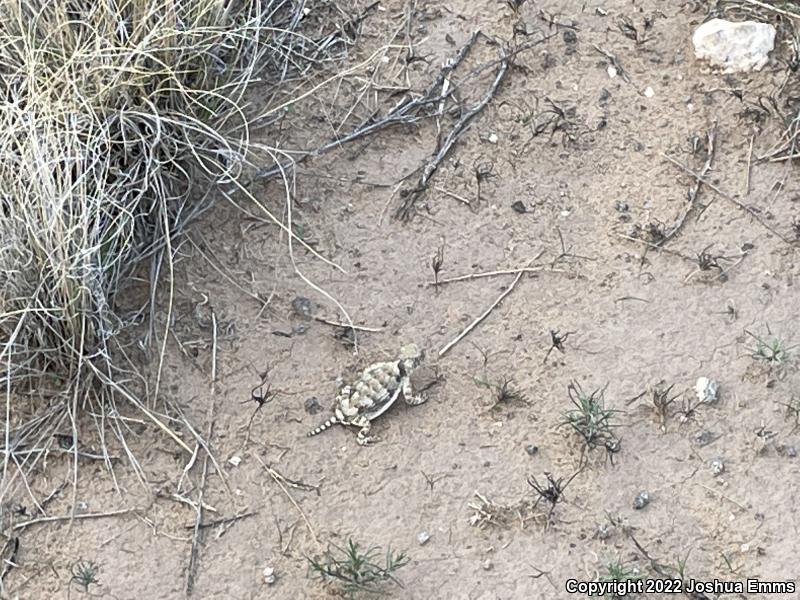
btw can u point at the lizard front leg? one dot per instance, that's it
(408, 394)
(364, 439)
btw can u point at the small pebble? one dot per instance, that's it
(493, 138)
(704, 438)
(604, 531)
(707, 390)
(312, 405)
(423, 537)
(531, 449)
(570, 37)
(302, 307)
(642, 499)
(612, 71)
(235, 460)
(717, 466)
(649, 92)
(791, 452)
(488, 565)
(269, 575)
(519, 207)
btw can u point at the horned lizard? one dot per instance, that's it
(374, 392)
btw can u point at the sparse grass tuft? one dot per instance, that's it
(793, 411)
(505, 392)
(354, 570)
(84, 573)
(120, 121)
(680, 566)
(617, 570)
(591, 419)
(551, 490)
(771, 350)
(662, 403)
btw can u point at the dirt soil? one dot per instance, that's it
(595, 188)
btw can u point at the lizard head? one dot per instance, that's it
(411, 353)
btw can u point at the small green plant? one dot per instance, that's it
(84, 573)
(793, 411)
(505, 392)
(617, 570)
(591, 419)
(680, 566)
(771, 350)
(355, 570)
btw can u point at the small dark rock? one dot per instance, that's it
(519, 207)
(531, 449)
(642, 499)
(604, 531)
(303, 307)
(570, 37)
(704, 438)
(312, 406)
(604, 96)
(622, 206)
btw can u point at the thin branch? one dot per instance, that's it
(485, 314)
(749, 210)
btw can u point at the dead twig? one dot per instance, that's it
(346, 326)
(723, 194)
(200, 507)
(485, 314)
(614, 61)
(77, 517)
(460, 126)
(693, 191)
(471, 276)
(277, 477)
(775, 9)
(225, 520)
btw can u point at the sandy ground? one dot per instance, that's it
(638, 317)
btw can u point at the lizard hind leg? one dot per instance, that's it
(408, 394)
(364, 439)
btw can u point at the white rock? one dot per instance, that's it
(235, 460)
(649, 92)
(742, 46)
(269, 575)
(493, 138)
(706, 390)
(612, 71)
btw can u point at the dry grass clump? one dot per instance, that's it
(118, 117)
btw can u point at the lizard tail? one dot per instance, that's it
(323, 427)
